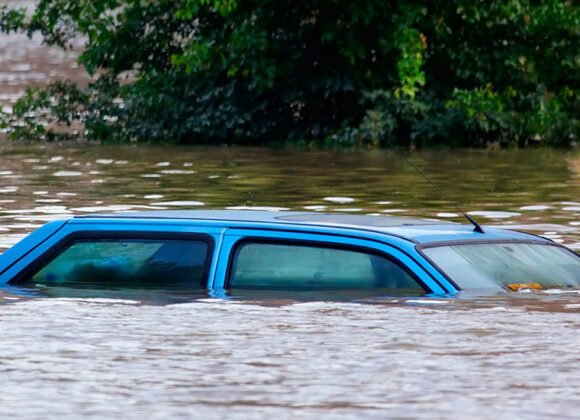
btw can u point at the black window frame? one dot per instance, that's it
(48, 256)
(316, 244)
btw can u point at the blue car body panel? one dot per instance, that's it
(399, 238)
(36, 240)
(437, 233)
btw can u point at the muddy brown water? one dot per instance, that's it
(138, 355)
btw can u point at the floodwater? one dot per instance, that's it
(162, 356)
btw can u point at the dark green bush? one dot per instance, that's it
(459, 72)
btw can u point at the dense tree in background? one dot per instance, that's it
(449, 72)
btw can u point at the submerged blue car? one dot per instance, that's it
(223, 250)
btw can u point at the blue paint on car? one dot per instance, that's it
(220, 250)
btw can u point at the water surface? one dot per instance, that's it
(158, 354)
(134, 354)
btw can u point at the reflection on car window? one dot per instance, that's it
(511, 266)
(126, 263)
(303, 267)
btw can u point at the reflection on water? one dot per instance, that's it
(146, 294)
(162, 353)
(220, 359)
(533, 190)
(165, 353)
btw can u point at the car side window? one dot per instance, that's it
(258, 265)
(126, 263)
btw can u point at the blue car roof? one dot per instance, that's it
(412, 229)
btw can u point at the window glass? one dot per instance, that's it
(303, 267)
(126, 263)
(508, 266)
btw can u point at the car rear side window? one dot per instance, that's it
(258, 265)
(120, 262)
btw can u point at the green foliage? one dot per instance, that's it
(11, 20)
(459, 72)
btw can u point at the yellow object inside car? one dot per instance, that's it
(514, 287)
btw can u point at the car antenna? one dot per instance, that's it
(477, 227)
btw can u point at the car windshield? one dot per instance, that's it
(511, 266)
